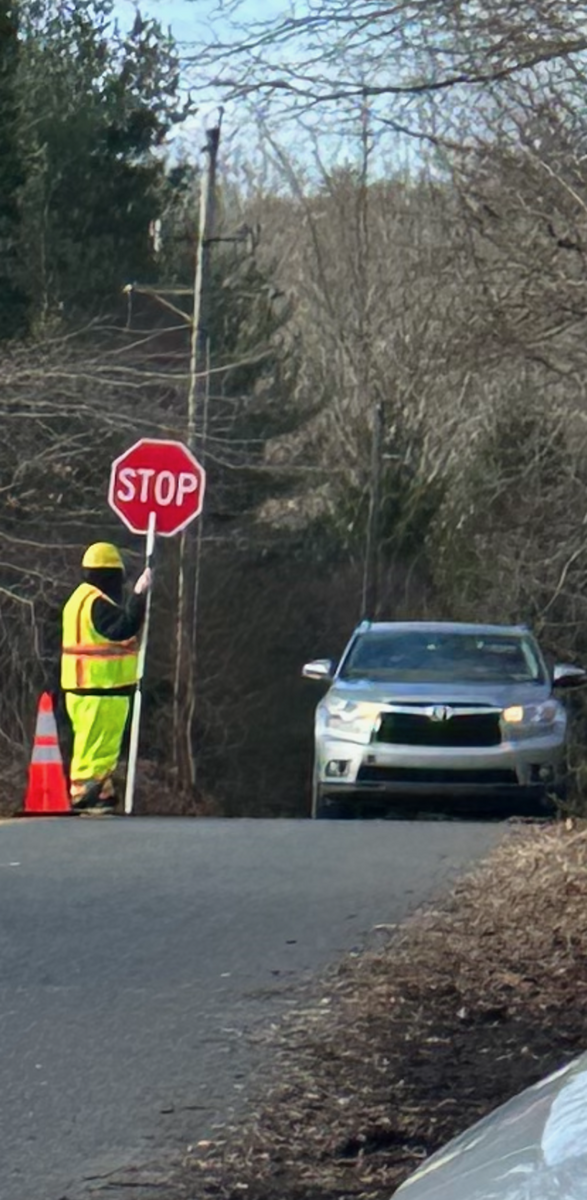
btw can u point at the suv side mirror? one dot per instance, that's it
(565, 676)
(320, 668)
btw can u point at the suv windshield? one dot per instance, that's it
(430, 657)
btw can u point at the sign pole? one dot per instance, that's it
(135, 728)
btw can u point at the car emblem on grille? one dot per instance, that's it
(440, 712)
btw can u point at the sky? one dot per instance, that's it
(196, 21)
(189, 18)
(193, 21)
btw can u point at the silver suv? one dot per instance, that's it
(438, 710)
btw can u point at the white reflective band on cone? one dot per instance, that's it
(46, 725)
(46, 754)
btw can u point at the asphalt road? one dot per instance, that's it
(136, 958)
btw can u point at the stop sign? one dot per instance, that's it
(161, 478)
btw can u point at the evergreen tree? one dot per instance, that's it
(94, 107)
(13, 298)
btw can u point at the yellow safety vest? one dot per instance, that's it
(90, 661)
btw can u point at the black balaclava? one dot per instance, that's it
(109, 580)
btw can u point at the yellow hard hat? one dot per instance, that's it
(102, 555)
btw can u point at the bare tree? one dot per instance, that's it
(392, 54)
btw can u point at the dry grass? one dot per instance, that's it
(13, 776)
(154, 796)
(403, 1048)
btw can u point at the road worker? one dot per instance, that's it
(99, 658)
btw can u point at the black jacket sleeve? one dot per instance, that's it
(116, 623)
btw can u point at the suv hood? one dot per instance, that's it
(539, 1136)
(494, 695)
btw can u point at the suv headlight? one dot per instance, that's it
(350, 719)
(524, 720)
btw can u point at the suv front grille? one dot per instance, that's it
(417, 729)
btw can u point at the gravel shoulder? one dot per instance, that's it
(403, 1047)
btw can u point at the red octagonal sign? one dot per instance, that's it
(160, 477)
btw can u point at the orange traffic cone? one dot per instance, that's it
(47, 788)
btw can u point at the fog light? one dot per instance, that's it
(337, 768)
(543, 773)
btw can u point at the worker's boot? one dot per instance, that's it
(102, 808)
(91, 801)
(108, 799)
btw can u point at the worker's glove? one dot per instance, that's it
(145, 582)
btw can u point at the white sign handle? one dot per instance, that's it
(135, 728)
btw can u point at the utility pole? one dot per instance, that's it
(184, 686)
(370, 599)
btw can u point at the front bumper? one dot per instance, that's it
(535, 764)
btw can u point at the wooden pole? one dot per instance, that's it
(184, 677)
(370, 599)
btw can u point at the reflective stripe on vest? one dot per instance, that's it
(90, 661)
(121, 651)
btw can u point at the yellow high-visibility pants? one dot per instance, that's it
(98, 729)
